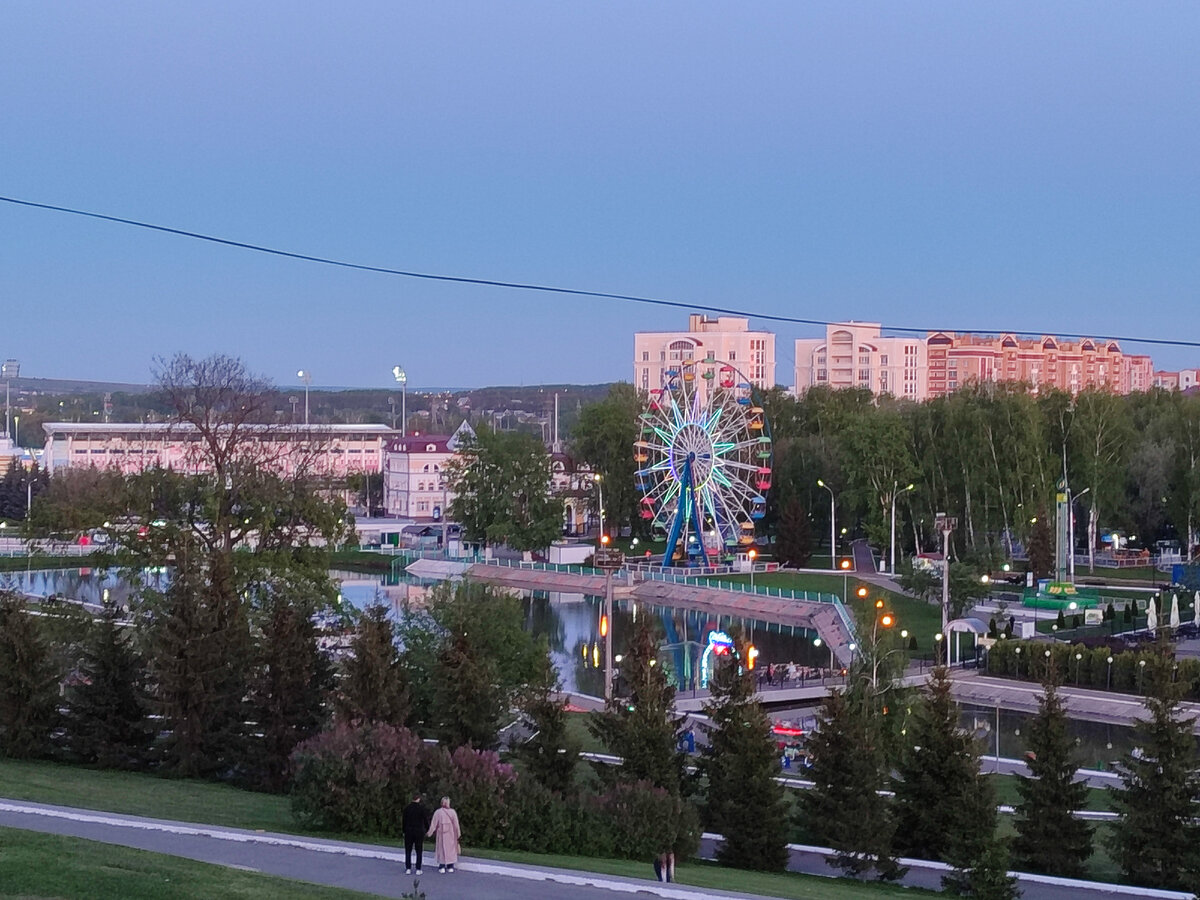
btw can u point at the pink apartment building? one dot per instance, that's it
(856, 354)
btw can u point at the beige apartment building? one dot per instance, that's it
(856, 354)
(722, 341)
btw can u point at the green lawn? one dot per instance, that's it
(1006, 794)
(19, 563)
(144, 795)
(710, 875)
(912, 614)
(50, 866)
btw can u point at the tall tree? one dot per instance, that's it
(604, 438)
(844, 809)
(290, 679)
(28, 681)
(642, 728)
(373, 687)
(744, 802)
(1041, 547)
(501, 485)
(941, 798)
(552, 752)
(1157, 840)
(794, 539)
(1050, 839)
(107, 722)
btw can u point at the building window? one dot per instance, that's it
(864, 359)
(732, 355)
(645, 356)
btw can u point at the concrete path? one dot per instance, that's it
(362, 867)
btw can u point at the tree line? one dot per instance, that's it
(991, 454)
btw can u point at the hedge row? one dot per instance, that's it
(357, 778)
(1086, 666)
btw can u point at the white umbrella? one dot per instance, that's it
(1196, 607)
(1174, 611)
(1151, 616)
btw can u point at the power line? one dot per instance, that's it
(549, 289)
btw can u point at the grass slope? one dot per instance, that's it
(50, 866)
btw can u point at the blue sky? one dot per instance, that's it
(1003, 166)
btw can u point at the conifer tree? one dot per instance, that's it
(107, 723)
(28, 682)
(1051, 840)
(643, 729)
(794, 540)
(1157, 841)
(943, 803)
(551, 753)
(197, 652)
(289, 684)
(372, 687)
(744, 802)
(844, 809)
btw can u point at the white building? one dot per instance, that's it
(721, 341)
(414, 474)
(856, 354)
(336, 450)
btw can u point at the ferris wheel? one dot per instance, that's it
(704, 461)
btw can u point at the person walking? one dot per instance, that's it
(414, 821)
(445, 825)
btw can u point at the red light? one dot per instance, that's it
(604, 540)
(604, 626)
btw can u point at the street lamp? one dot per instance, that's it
(600, 491)
(832, 525)
(895, 495)
(1108, 684)
(752, 554)
(306, 377)
(402, 379)
(945, 524)
(8, 371)
(1071, 529)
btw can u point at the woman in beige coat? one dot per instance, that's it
(445, 826)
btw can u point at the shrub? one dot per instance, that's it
(357, 777)
(643, 821)
(477, 784)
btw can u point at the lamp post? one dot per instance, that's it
(832, 525)
(600, 499)
(1071, 498)
(895, 495)
(9, 370)
(945, 524)
(1017, 651)
(305, 376)
(402, 379)
(16, 431)
(752, 554)
(1108, 683)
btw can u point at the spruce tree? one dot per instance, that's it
(290, 679)
(372, 686)
(28, 682)
(197, 652)
(944, 806)
(551, 753)
(744, 802)
(642, 728)
(794, 540)
(1051, 840)
(844, 809)
(107, 723)
(1157, 841)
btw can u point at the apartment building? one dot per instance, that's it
(856, 354)
(716, 342)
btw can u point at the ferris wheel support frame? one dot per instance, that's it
(687, 506)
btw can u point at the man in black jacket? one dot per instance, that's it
(415, 822)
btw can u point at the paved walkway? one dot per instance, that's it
(379, 870)
(370, 868)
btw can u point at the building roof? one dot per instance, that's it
(165, 428)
